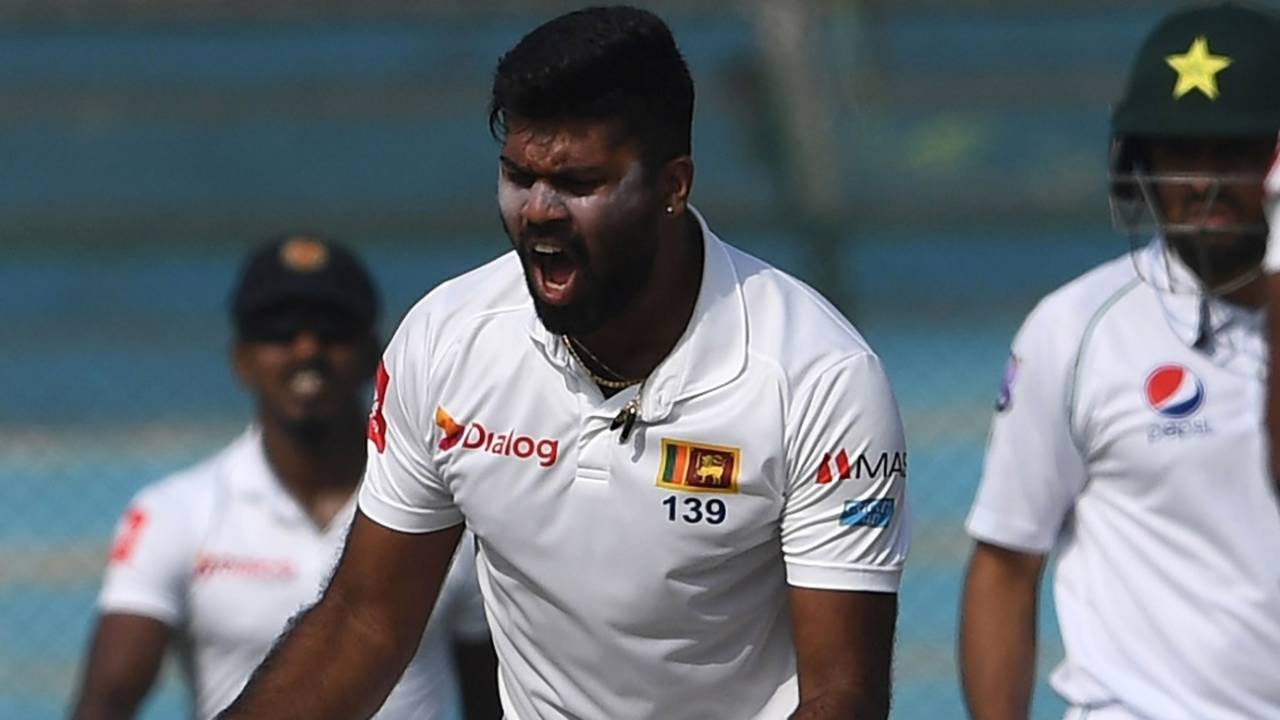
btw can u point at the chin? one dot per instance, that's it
(573, 319)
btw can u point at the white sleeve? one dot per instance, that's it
(401, 487)
(1033, 470)
(1272, 260)
(845, 524)
(152, 558)
(467, 621)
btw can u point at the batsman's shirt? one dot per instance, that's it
(222, 554)
(645, 578)
(1129, 438)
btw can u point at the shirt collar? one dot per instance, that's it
(711, 352)
(253, 480)
(1187, 308)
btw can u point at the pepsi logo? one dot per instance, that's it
(1174, 391)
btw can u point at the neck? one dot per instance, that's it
(320, 470)
(1253, 295)
(635, 342)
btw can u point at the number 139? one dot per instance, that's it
(695, 510)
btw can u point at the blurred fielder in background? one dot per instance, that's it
(1129, 434)
(1272, 264)
(684, 470)
(218, 557)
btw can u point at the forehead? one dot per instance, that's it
(1259, 148)
(546, 145)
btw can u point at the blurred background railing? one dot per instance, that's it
(933, 166)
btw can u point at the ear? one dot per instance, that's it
(676, 183)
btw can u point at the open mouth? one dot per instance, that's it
(555, 272)
(307, 383)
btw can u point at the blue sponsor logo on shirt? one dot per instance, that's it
(867, 513)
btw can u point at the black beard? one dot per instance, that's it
(605, 296)
(312, 433)
(1220, 260)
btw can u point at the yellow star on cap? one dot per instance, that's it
(1197, 69)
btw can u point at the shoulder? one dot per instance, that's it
(1068, 316)
(184, 499)
(792, 325)
(455, 306)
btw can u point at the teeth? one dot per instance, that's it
(306, 382)
(545, 249)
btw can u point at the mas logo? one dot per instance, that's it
(377, 423)
(475, 436)
(127, 535)
(1173, 391)
(871, 466)
(698, 467)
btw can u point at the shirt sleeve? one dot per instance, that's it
(151, 559)
(401, 488)
(845, 522)
(1033, 469)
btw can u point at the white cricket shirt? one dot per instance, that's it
(224, 555)
(645, 578)
(1142, 461)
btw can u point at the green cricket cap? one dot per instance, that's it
(1206, 71)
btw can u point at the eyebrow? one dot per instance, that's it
(579, 172)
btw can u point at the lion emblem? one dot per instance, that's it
(710, 470)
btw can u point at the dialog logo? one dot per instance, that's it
(1173, 391)
(474, 436)
(452, 429)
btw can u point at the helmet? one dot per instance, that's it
(1211, 73)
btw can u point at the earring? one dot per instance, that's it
(670, 210)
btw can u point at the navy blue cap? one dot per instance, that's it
(303, 269)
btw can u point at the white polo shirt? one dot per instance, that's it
(1142, 462)
(221, 553)
(645, 578)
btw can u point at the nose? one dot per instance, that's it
(1200, 184)
(305, 344)
(545, 205)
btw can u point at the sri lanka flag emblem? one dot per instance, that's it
(698, 467)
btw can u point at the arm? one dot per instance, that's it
(343, 656)
(844, 652)
(998, 632)
(124, 659)
(845, 530)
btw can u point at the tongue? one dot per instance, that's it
(558, 269)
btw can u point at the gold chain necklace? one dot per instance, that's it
(630, 412)
(619, 384)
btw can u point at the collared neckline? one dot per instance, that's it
(711, 352)
(253, 479)
(1183, 310)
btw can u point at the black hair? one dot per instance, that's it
(603, 64)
